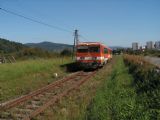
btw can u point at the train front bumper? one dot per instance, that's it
(87, 65)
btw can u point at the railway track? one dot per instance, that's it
(29, 106)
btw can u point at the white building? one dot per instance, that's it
(150, 45)
(157, 45)
(135, 46)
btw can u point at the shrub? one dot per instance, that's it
(147, 85)
(66, 52)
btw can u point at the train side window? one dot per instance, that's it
(105, 50)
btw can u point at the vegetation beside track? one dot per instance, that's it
(147, 86)
(25, 76)
(152, 53)
(74, 105)
(115, 100)
(132, 92)
(119, 92)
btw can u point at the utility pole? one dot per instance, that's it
(76, 41)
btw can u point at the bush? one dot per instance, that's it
(146, 52)
(34, 53)
(66, 52)
(147, 85)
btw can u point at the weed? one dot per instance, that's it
(25, 76)
(147, 85)
(116, 99)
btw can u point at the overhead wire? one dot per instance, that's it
(36, 21)
(84, 38)
(42, 23)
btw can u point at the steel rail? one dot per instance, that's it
(63, 87)
(58, 97)
(14, 102)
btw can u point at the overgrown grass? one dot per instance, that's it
(147, 85)
(116, 99)
(74, 105)
(22, 77)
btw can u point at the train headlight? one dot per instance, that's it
(100, 58)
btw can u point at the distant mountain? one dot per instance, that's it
(56, 47)
(7, 46)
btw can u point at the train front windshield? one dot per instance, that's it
(86, 49)
(82, 49)
(94, 49)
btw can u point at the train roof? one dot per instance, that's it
(93, 43)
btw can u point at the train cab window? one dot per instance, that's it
(82, 49)
(95, 49)
(105, 50)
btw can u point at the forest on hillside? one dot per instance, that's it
(7, 46)
(21, 51)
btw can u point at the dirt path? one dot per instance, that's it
(153, 60)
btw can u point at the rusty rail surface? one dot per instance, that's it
(16, 101)
(29, 106)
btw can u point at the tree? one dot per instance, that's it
(66, 52)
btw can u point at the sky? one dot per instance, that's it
(112, 22)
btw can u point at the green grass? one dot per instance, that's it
(108, 95)
(74, 105)
(116, 99)
(22, 77)
(147, 85)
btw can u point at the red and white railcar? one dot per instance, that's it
(92, 54)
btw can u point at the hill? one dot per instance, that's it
(7, 46)
(49, 46)
(21, 51)
(57, 47)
